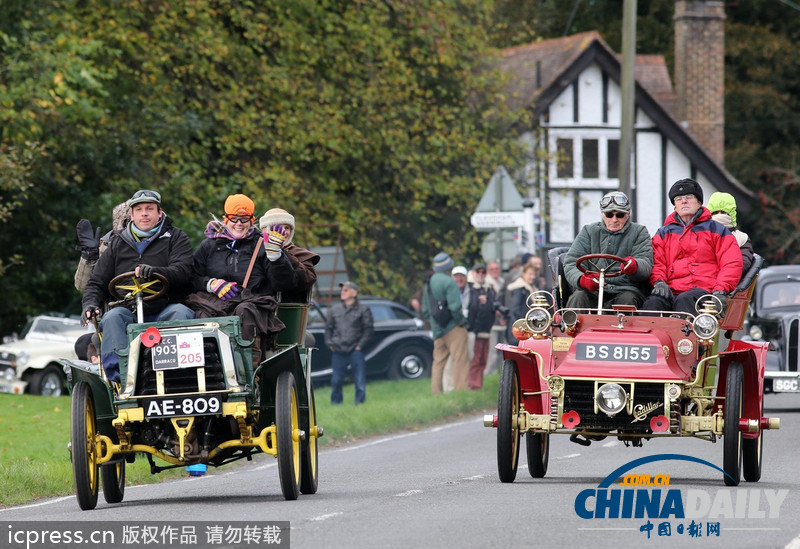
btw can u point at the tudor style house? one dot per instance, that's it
(572, 86)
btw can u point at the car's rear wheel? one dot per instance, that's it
(751, 457)
(48, 382)
(113, 477)
(538, 449)
(507, 426)
(310, 473)
(287, 425)
(732, 436)
(84, 456)
(412, 362)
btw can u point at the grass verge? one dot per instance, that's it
(34, 431)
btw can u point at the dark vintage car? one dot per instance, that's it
(400, 348)
(775, 317)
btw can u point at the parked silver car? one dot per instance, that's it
(35, 353)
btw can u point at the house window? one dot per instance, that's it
(590, 159)
(612, 168)
(564, 158)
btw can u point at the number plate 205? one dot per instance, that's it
(183, 406)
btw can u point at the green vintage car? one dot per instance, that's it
(190, 395)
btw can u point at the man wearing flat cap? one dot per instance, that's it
(347, 331)
(693, 254)
(149, 244)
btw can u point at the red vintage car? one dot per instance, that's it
(631, 374)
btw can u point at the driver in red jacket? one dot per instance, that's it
(693, 254)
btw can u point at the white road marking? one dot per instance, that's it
(48, 502)
(408, 493)
(326, 517)
(568, 456)
(384, 440)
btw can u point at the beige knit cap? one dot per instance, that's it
(277, 216)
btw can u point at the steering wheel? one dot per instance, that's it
(127, 285)
(590, 257)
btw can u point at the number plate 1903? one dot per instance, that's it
(616, 353)
(183, 406)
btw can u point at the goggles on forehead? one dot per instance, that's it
(617, 198)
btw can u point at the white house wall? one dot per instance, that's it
(573, 201)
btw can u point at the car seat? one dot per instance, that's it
(561, 288)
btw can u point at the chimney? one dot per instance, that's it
(700, 72)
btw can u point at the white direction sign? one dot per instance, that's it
(496, 220)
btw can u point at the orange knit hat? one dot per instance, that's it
(239, 204)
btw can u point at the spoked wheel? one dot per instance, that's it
(507, 426)
(287, 424)
(538, 448)
(113, 477)
(751, 454)
(309, 476)
(732, 436)
(84, 456)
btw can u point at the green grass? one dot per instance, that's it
(34, 431)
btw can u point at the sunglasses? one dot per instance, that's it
(617, 198)
(240, 219)
(618, 215)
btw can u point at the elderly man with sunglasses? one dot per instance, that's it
(615, 234)
(693, 254)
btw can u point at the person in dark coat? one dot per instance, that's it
(235, 275)
(480, 321)
(149, 244)
(347, 331)
(303, 261)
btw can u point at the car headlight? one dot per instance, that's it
(756, 332)
(521, 330)
(538, 320)
(705, 326)
(611, 398)
(7, 374)
(22, 358)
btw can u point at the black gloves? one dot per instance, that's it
(723, 298)
(89, 242)
(661, 289)
(89, 312)
(145, 270)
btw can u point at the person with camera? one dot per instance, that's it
(481, 317)
(615, 234)
(148, 245)
(441, 304)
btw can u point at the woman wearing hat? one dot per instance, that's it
(303, 261)
(235, 275)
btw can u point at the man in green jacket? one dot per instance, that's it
(450, 334)
(614, 234)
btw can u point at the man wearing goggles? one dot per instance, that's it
(614, 234)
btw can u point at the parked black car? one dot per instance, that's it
(775, 317)
(400, 348)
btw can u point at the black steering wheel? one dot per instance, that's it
(127, 286)
(590, 257)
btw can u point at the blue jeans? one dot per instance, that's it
(114, 324)
(339, 362)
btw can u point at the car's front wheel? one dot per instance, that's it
(732, 436)
(47, 382)
(413, 362)
(507, 427)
